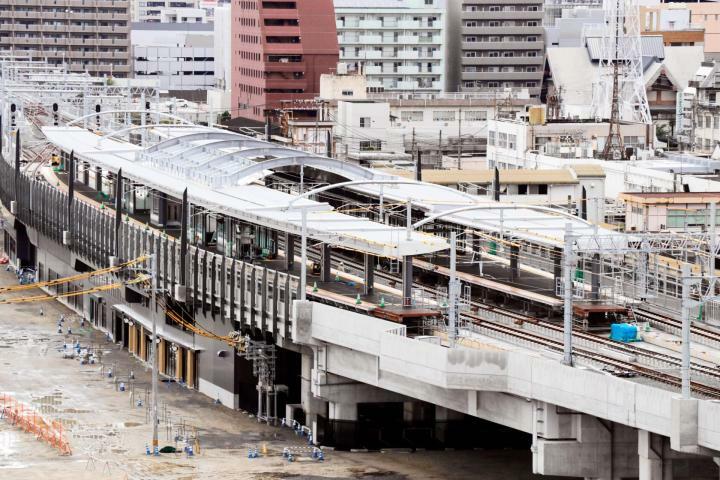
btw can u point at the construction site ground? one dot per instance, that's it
(108, 432)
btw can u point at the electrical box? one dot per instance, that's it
(13, 207)
(67, 239)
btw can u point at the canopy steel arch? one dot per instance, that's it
(349, 170)
(143, 127)
(236, 142)
(213, 134)
(375, 181)
(148, 112)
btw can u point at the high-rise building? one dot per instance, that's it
(168, 11)
(399, 46)
(279, 50)
(89, 36)
(502, 45)
(179, 56)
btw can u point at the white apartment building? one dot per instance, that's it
(178, 56)
(173, 11)
(399, 45)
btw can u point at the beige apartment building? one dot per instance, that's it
(86, 35)
(502, 45)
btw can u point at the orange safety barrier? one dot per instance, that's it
(29, 420)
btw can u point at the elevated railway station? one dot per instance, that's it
(362, 289)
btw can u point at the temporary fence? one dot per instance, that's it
(31, 421)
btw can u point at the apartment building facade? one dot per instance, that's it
(179, 56)
(174, 11)
(399, 46)
(502, 45)
(279, 50)
(85, 35)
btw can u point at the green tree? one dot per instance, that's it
(225, 117)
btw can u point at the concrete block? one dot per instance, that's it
(684, 424)
(302, 326)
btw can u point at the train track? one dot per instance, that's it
(592, 356)
(702, 335)
(661, 360)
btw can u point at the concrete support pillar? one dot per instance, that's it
(289, 251)
(311, 406)
(274, 243)
(346, 411)
(595, 277)
(369, 274)
(98, 179)
(407, 281)
(650, 448)
(413, 411)
(514, 263)
(443, 418)
(326, 255)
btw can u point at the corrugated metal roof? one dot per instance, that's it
(485, 177)
(588, 170)
(651, 46)
(665, 198)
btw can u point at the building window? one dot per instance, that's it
(365, 122)
(347, 93)
(412, 116)
(475, 115)
(370, 146)
(444, 116)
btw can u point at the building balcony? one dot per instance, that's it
(373, 70)
(408, 40)
(502, 30)
(408, 55)
(283, 49)
(282, 30)
(502, 76)
(286, 83)
(408, 69)
(408, 24)
(370, 24)
(287, 67)
(371, 39)
(537, 45)
(370, 54)
(539, 60)
(538, 15)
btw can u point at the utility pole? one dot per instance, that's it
(459, 164)
(439, 164)
(453, 292)
(685, 307)
(568, 296)
(413, 144)
(303, 253)
(153, 307)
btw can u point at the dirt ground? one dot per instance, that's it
(108, 432)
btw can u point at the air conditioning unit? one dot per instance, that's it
(180, 293)
(13, 207)
(67, 238)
